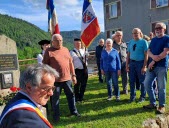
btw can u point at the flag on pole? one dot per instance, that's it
(90, 27)
(53, 26)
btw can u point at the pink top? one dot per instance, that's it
(60, 60)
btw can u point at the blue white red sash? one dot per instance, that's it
(26, 105)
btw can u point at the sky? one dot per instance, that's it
(69, 12)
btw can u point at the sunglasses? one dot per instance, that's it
(134, 47)
(158, 28)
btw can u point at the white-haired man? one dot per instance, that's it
(59, 58)
(158, 50)
(121, 47)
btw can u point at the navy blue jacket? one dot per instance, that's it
(110, 62)
(22, 118)
(98, 53)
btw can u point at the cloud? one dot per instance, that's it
(69, 12)
(3, 11)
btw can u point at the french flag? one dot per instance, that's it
(53, 26)
(90, 28)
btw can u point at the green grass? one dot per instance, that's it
(97, 112)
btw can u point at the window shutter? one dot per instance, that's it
(153, 3)
(153, 27)
(108, 34)
(118, 8)
(107, 12)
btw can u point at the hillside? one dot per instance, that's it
(27, 35)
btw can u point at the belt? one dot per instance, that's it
(135, 60)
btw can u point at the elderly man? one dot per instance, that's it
(59, 58)
(136, 63)
(121, 47)
(158, 50)
(78, 56)
(99, 49)
(24, 110)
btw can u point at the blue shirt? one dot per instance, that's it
(157, 46)
(137, 49)
(110, 61)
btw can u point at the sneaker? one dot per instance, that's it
(74, 114)
(160, 110)
(109, 98)
(124, 92)
(141, 100)
(150, 106)
(117, 98)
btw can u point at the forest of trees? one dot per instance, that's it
(27, 36)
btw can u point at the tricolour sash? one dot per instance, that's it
(26, 105)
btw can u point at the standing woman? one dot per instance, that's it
(136, 63)
(110, 66)
(44, 45)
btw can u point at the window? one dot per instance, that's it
(111, 32)
(113, 10)
(159, 3)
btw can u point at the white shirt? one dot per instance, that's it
(40, 57)
(76, 61)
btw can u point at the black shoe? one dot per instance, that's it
(150, 106)
(131, 100)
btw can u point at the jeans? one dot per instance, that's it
(67, 86)
(135, 71)
(124, 76)
(112, 77)
(161, 74)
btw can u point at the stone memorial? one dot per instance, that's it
(9, 66)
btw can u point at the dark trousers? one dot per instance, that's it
(67, 86)
(80, 87)
(124, 76)
(99, 72)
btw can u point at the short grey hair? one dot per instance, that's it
(101, 40)
(55, 35)
(109, 40)
(33, 75)
(121, 32)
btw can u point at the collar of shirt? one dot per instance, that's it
(38, 105)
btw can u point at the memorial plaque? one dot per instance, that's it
(6, 79)
(8, 62)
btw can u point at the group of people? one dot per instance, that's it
(143, 60)
(59, 68)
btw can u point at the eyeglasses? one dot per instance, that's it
(118, 35)
(158, 28)
(47, 90)
(136, 33)
(134, 47)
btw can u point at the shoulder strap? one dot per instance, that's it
(80, 57)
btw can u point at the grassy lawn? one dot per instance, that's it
(97, 112)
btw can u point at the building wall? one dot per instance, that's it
(135, 13)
